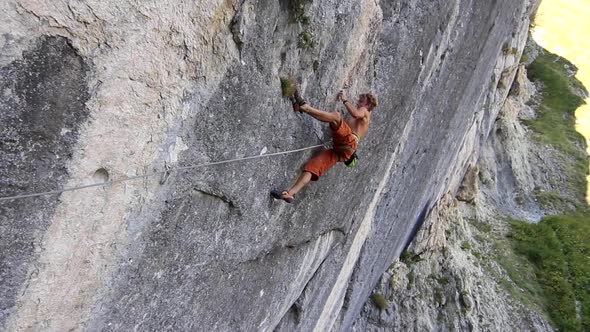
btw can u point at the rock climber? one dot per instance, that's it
(345, 138)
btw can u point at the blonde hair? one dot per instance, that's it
(371, 100)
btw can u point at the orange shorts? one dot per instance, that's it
(345, 143)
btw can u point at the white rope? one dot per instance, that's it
(155, 173)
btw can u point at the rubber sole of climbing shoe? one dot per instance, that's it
(295, 105)
(284, 195)
(298, 98)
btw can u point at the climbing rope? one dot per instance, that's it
(167, 171)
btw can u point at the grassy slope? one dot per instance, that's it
(559, 250)
(559, 246)
(555, 123)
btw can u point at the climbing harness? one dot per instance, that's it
(351, 162)
(164, 174)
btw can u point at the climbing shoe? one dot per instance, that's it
(284, 195)
(351, 162)
(298, 98)
(295, 104)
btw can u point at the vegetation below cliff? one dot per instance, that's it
(557, 247)
(555, 122)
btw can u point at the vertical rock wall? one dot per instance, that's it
(187, 83)
(43, 110)
(457, 271)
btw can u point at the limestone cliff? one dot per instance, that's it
(101, 90)
(461, 271)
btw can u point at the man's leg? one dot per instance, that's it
(300, 105)
(287, 195)
(302, 180)
(330, 117)
(312, 170)
(321, 162)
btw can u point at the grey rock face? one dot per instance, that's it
(448, 281)
(188, 83)
(452, 274)
(41, 110)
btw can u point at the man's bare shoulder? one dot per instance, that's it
(365, 112)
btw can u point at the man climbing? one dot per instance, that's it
(345, 137)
